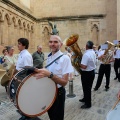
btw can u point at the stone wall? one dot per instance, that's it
(111, 20)
(60, 8)
(118, 20)
(14, 25)
(96, 20)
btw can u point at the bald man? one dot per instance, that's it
(58, 71)
(38, 57)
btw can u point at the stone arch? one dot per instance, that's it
(24, 25)
(1, 15)
(24, 28)
(14, 21)
(31, 36)
(19, 23)
(95, 34)
(6, 29)
(15, 30)
(28, 26)
(20, 28)
(32, 29)
(7, 16)
(1, 30)
(27, 30)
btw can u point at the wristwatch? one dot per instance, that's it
(51, 75)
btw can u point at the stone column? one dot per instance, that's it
(9, 35)
(1, 32)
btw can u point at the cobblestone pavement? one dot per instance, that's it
(102, 102)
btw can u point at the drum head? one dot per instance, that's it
(36, 96)
(114, 114)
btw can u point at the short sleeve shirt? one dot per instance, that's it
(89, 60)
(117, 55)
(24, 59)
(61, 66)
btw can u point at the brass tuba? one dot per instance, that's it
(108, 54)
(71, 42)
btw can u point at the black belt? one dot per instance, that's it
(88, 71)
(105, 64)
(60, 90)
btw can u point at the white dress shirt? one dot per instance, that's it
(89, 60)
(61, 66)
(24, 59)
(117, 55)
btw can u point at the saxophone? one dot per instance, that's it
(108, 53)
(71, 42)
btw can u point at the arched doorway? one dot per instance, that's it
(95, 34)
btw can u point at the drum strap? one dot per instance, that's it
(54, 61)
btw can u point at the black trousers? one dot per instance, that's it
(116, 66)
(103, 69)
(87, 78)
(56, 112)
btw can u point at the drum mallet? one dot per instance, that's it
(71, 94)
(118, 100)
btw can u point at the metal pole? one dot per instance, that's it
(71, 94)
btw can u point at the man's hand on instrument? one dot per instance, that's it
(40, 73)
(103, 56)
(118, 95)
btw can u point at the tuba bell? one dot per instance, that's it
(108, 53)
(71, 42)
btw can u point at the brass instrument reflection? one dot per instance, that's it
(71, 42)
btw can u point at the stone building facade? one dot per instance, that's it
(96, 20)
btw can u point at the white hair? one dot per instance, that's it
(57, 37)
(39, 46)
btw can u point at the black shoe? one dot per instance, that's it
(24, 118)
(106, 89)
(95, 89)
(96, 72)
(85, 106)
(82, 100)
(19, 112)
(115, 78)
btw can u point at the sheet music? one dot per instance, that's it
(104, 46)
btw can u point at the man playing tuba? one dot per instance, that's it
(106, 57)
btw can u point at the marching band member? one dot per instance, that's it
(87, 74)
(96, 52)
(24, 60)
(58, 71)
(105, 68)
(117, 62)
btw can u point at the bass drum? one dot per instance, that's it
(32, 96)
(114, 114)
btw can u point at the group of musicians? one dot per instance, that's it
(60, 67)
